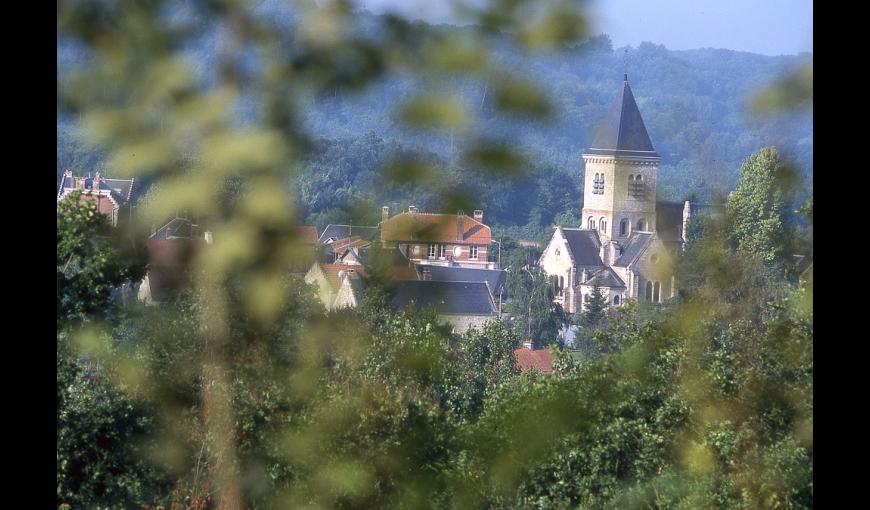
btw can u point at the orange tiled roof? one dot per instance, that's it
(539, 359)
(429, 227)
(331, 272)
(348, 242)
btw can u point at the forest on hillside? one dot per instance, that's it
(695, 104)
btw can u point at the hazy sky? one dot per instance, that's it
(769, 27)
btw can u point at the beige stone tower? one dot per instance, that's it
(619, 189)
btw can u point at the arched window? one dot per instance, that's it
(615, 300)
(623, 227)
(641, 224)
(590, 223)
(649, 291)
(561, 284)
(656, 292)
(602, 225)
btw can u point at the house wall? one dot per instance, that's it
(324, 290)
(462, 323)
(345, 298)
(456, 252)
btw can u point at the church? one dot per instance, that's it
(627, 241)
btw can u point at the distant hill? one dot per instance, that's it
(694, 104)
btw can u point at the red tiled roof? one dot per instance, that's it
(331, 272)
(444, 228)
(307, 235)
(348, 242)
(539, 359)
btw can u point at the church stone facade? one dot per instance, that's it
(623, 247)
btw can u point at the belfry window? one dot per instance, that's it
(602, 225)
(590, 223)
(641, 224)
(598, 184)
(623, 228)
(635, 186)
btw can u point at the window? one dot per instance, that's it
(473, 252)
(590, 223)
(558, 252)
(598, 184)
(641, 224)
(623, 228)
(654, 258)
(635, 186)
(431, 251)
(561, 284)
(602, 225)
(441, 248)
(615, 300)
(649, 291)
(656, 292)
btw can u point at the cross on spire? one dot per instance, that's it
(625, 65)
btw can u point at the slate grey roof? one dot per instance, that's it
(623, 133)
(179, 228)
(604, 278)
(494, 277)
(343, 231)
(584, 245)
(453, 298)
(122, 190)
(669, 221)
(633, 247)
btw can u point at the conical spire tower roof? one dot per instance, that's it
(623, 132)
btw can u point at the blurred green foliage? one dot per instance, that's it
(245, 393)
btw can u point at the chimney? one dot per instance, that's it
(687, 214)
(412, 209)
(209, 237)
(153, 229)
(528, 344)
(385, 213)
(80, 183)
(478, 215)
(584, 276)
(95, 185)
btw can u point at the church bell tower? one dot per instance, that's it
(619, 188)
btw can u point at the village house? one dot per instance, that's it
(439, 239)
(338, 285)
(171, 252)
(113, 197)
(462, 305)
(530, 359)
